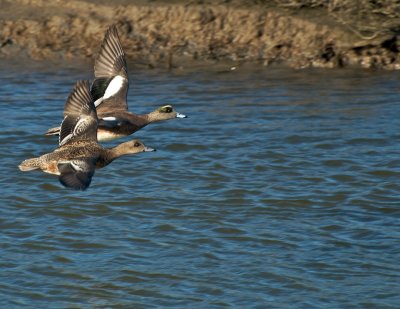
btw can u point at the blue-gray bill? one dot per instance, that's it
(179, 115)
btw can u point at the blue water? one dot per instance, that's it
(282, 190)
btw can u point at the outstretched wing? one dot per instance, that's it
(110, 87)
(80, 118)
(76, 174)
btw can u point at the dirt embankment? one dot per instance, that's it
(164, 33)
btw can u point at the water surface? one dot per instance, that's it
(280, 191)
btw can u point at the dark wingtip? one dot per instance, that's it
(71, 179)
(52, 131)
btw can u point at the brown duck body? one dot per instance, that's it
(109, 91)
(48, 162)
(98, 155)
(120, 123)
(125, 124)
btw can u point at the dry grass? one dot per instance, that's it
(366, 18)
(390, 8)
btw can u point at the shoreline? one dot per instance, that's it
(156, 33)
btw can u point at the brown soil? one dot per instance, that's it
(166, 33)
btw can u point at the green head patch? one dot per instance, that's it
(166, 109)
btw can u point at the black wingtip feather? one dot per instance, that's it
(80, 100)
(111, 59)
(99, 87)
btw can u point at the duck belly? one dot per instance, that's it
(104, 135)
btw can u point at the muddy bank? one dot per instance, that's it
(165, 34)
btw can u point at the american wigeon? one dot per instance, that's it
(109, 91)
(79, 152)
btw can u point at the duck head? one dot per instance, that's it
(133, 146)
(164, 113)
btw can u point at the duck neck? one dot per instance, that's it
(152, 117)
(142, 120)
(111, 154)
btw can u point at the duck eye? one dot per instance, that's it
(137, 144)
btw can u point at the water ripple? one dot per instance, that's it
(281, 191)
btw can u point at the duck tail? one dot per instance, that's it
(29, 164)
(53, 131)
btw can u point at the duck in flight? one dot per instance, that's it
(79, 153)
(109, 91)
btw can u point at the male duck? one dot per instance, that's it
(79, 153)
(109, 91)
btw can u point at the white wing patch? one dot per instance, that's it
(78, 166)
(109, 118)
(113, 87)
(98, 102)
(66, 139)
